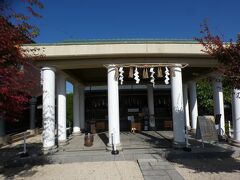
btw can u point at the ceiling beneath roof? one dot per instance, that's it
(98, 76)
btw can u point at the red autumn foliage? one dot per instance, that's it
(228, 55)
(17, 73)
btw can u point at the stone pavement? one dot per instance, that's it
(155, 169)
(149, 149)
(104, 170)
(150, 161)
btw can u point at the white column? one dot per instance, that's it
(33, 103)
(236, 115)
(48, 80)
(76, 115)
(186, 106)
(61, 109)
(218, 101)
(233, 114)
(151, 106)
(177, 107)
(82, 107)
(193, 104)
(113, 107)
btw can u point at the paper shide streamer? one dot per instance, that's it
(121, 75)
(136, 76)
(152, 80)
(166, 75)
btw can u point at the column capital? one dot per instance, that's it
(61, 75)
(111, 66)
(48, 68)
(216, 75)
(191, 82)
(177, 65)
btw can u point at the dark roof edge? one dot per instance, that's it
(119, 41)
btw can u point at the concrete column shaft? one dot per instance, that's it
(2, 127)
(151, 105)
(218, 101)
(193, 104)
(2, 131)
(177, 107)
(186, 106)
(82, 107)
(236, 115)
(33, 103)
(76, 115)
(61, 99)
(48, 77)
(113, 106)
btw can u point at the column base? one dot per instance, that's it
(49, 150)
(234, 142)
(4, 140)
(193, 131)
(79, 133)
(109, 147)
(63, 142)
(32, 131)
(178, 145)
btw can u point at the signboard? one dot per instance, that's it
(206, 129)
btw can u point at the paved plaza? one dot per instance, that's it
(147, 155)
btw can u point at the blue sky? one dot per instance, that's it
(135, 19)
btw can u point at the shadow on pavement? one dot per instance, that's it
(155, 140)
(213, 158)
(13, 164)
(104, 138)
(212, 165)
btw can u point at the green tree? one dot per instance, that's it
(205, 95)
(69, 109)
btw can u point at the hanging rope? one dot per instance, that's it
(130, 72)
(159, 72)
(145, 73)
(119, 71)
(149, 65)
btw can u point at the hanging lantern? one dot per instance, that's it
(121, 75)
(166, 75)
(152, 80)
(136, 76)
